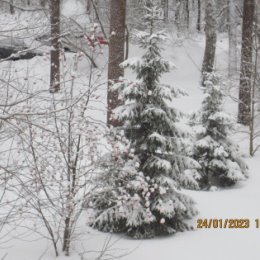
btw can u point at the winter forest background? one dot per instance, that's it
(129, 129)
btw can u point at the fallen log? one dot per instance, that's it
(12, 53)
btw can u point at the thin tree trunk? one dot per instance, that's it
(66, 237)
(178, 15)
(93, 5)
(232, 34)
(257, 21)
(211, 39)
(55, 46)
(253, 104)
(88, 6)
(126, 43)
(116, 53)
(11, 6)
(244, 107)
(97, 7)
(199, 16)
(182, 15)
(166, 9)
(187, 14)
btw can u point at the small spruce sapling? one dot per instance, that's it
(141, 193)
(220, 160)
(121, 197)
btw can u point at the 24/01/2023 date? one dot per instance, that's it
(226, 223)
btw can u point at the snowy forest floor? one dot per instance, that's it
(239, 202)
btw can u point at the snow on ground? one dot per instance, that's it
(218, 244)
(240, 202)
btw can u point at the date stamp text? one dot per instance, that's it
(236, 223)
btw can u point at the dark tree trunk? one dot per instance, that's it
(55, 45)
(116, 53)
(11, 6)
(211, 39)
(66, 237)
(182, 15)
(88, 6)
(187, 14)
(177, 13)
(199, 16)
(232, 38)
(166, 9)
(246, 70)
(257, 19)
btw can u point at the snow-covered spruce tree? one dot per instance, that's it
(122, 194)
(141, 196)
(221, 163)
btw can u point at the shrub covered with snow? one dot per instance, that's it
(214, 150)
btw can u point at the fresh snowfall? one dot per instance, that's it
(129, 130)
